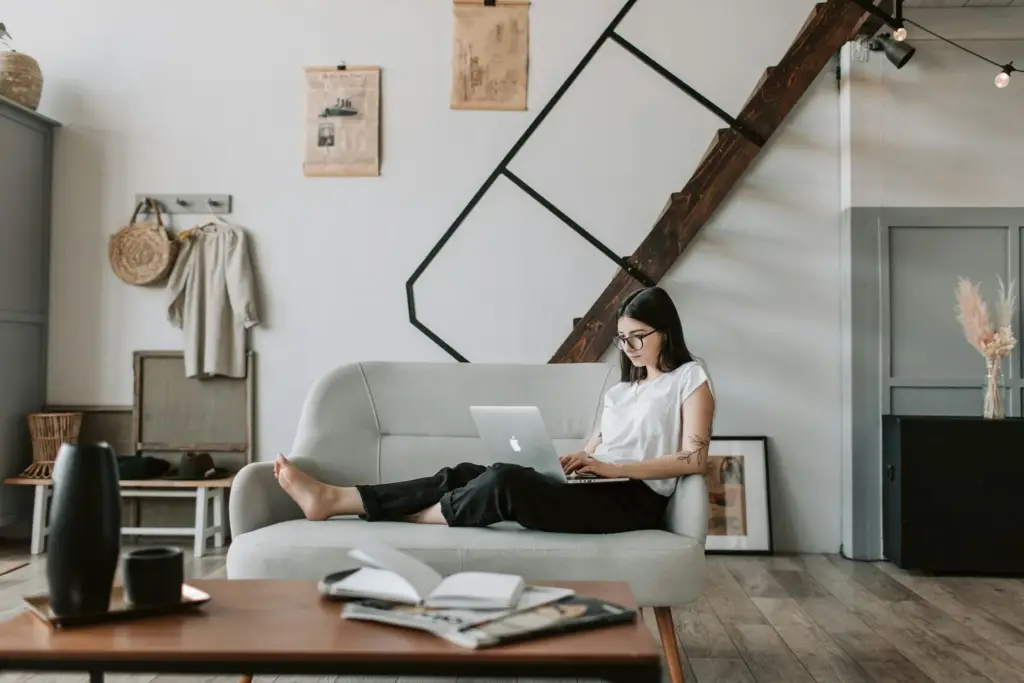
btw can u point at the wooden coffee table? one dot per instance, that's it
(283, 627)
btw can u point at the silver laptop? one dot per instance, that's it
(517, 435)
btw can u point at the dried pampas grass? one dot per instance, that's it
(992, 342)
(972, 312)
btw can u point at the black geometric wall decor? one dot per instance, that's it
(502, 170)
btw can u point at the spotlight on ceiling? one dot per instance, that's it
(896, 51)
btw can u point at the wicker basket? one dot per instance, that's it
(142, 253)
(49, 432)
(20, 79)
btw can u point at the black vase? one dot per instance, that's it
(85, 530)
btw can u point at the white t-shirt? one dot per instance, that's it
(646, 421)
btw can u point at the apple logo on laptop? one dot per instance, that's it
(514, 443)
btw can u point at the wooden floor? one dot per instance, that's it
(785, 619)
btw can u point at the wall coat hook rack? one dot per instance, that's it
(189, 204)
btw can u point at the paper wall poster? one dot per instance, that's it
(342, 121)
(490, 54)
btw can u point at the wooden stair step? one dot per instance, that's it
(811, 16)
(760, 84)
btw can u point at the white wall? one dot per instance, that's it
(938, 132)
(158, 97)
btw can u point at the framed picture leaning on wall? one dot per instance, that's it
(739, 509)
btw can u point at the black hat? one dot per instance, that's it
(135, 467)
(195, 467)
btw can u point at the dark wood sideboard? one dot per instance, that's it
(953, 493)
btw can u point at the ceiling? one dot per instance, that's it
(963, 3)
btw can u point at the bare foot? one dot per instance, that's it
(431, 515)
(317, 500)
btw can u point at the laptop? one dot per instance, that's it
(517, 435)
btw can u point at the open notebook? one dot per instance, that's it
(394, 576)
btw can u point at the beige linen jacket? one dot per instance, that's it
(212, 297)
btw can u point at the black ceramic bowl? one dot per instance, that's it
(153, 576)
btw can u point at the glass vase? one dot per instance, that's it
(993, 409)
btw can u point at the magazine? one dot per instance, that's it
(476, 629)
(442, 620)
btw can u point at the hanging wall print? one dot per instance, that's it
(342, 121)
(490, 54)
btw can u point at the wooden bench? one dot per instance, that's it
(203, 491)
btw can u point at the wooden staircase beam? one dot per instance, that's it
(872, 25)
(830, 25)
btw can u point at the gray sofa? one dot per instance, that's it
(381, 421)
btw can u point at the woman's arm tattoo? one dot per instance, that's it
(698, 446)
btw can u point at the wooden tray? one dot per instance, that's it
(120, 608)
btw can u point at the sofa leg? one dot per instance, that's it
(667, 630)
(245, 678)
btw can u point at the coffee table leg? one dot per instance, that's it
(95, 677)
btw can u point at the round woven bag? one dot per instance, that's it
(142, 253)
(20, 79)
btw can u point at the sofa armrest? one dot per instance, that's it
(257, 500)
(687, 513)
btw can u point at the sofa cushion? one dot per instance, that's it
(433, 399)
(662, 568)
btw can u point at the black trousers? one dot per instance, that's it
(477, 496)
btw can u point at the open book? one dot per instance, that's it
(393, 576)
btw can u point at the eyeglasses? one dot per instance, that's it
(633, 341)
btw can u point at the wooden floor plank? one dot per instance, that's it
(982, 655)
(755, 579)
(766, 654)
(721, 671)
(783, 562)
(994, 598)
(883, 662)
(727, 598)
(868, 575)
(701, 633)
(930, 652)
(798, 583)
(823, 658)
(1006, 637)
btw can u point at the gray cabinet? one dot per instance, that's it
(26, 152)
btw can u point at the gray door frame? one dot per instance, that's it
(867, 375)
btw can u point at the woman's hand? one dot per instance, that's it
(574, 461)
(606, 470)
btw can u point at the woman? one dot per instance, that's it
(655, 427)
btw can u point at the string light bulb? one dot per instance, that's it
(1003, 77)
(900, 32)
